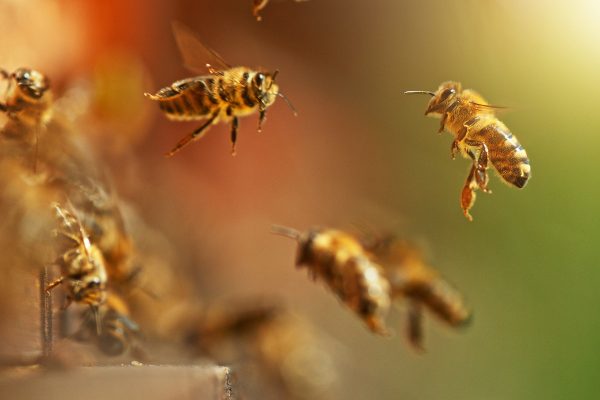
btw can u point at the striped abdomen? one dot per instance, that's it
(506, 153)
(339, 260)
(188, 99)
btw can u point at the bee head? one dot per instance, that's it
(305, 253)
(89, 290)
(443, 97)
(32, 84)
(265, 87)
(305, 241)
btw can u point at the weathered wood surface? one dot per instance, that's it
(147, 382)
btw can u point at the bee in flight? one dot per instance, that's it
(226, 94)
(413, 280)
(480, 136)
(259, 5)
(82, 265)
(340, 260)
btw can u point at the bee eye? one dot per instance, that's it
(446, 93)
(259, 79)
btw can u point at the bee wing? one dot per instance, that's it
(196, 55)
(488, 107)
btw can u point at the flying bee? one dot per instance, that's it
(82, 265)
(480, 136)
(259, 5)
(341, 262)
(226, 94)
(117, 330)
(412, 279)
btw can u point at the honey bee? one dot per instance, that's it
(82, 264)
(117, 330)
(259, 5)
(104, 222)
(27, 105)
(226, 94)
(412, 279)
(341, 262)
(480, 136)
(28, 99)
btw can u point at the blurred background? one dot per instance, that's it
(361, 152)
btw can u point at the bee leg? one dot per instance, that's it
(257, 7)
(449, 110)
(234, 128)
(54, 284)
(467, 197)
(11, 111)
(443, 123)
(210, 68)
(481, 163)
(97, 321)
(454, 149)
(414, 329)
(197, 134)
(262, 113)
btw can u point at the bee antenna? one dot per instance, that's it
(289, 103)
(420, 92)
(285, 231)
(273, 76)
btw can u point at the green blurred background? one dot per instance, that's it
(361, 152)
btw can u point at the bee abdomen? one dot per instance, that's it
(359, 284)
(507, 155)
(188, 99)
(184, 107)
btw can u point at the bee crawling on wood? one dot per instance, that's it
(226, 94)
(82, 265)
(341, 262)
(412, 279)
(480, 136)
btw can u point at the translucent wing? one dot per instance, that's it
(488, 107)
(196, 55)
